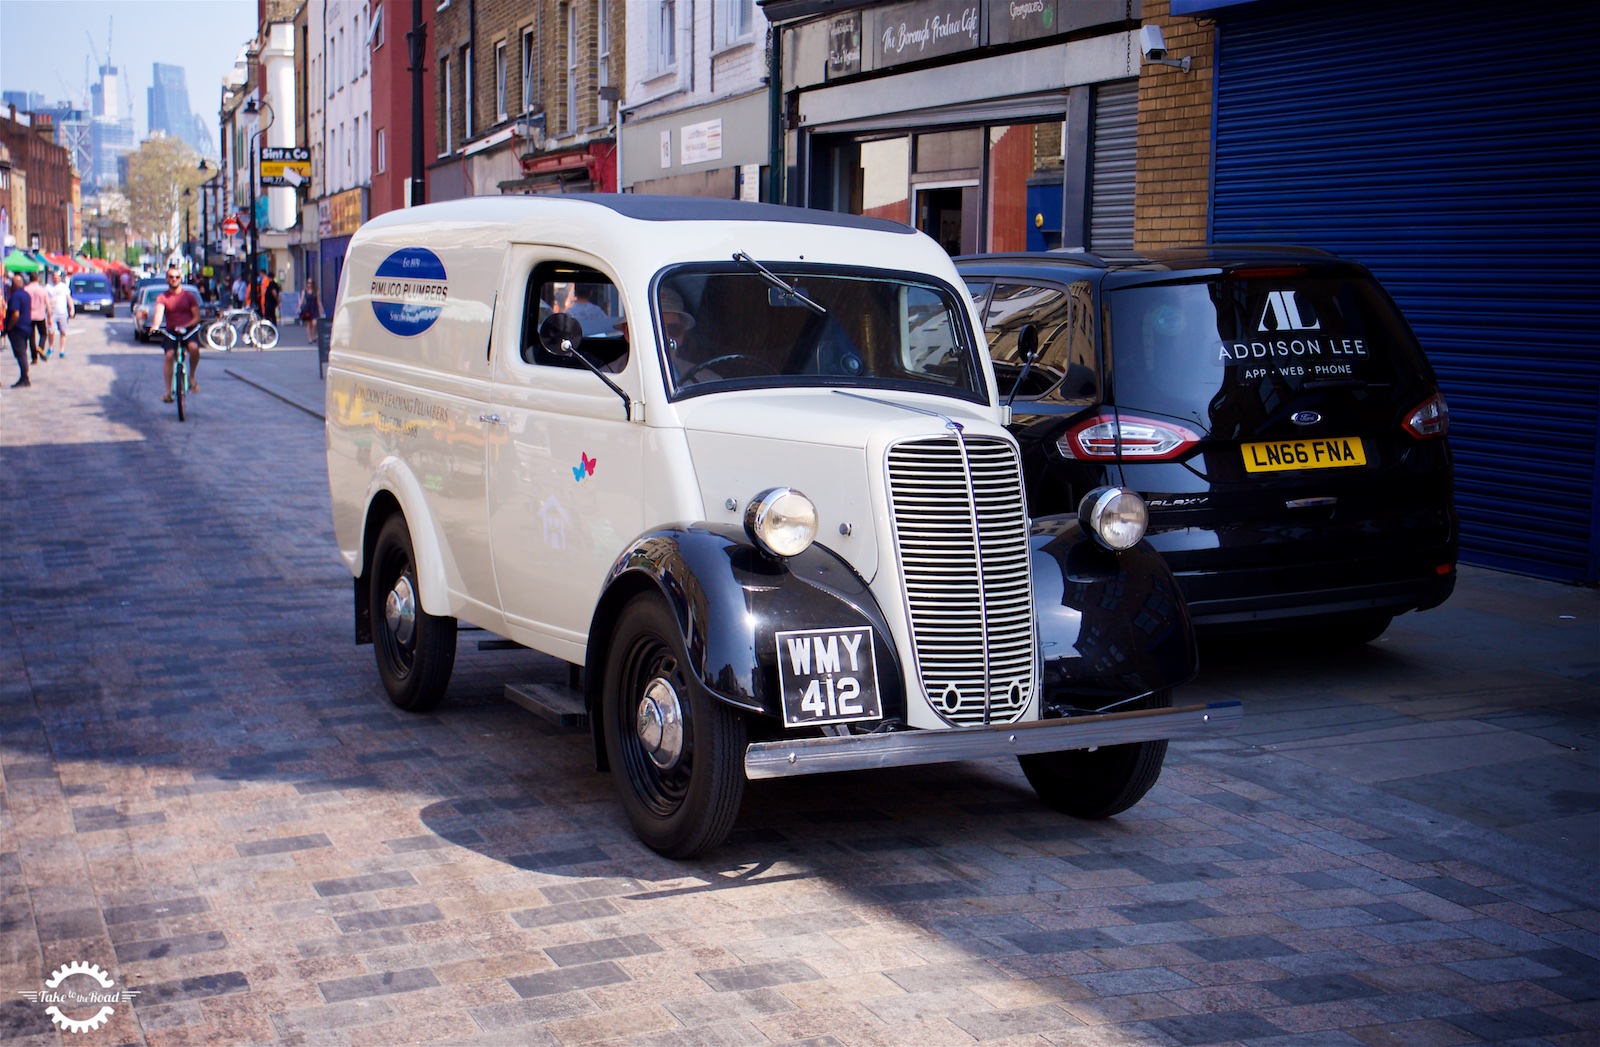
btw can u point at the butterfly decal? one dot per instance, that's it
(584, 468)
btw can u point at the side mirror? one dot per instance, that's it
(1028, 343)
(1027, 348)
(561, 334)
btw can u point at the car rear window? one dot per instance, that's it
(1207, 349)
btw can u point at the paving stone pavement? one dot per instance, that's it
(207, 795)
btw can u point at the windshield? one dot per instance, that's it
(1223, 352)
(730, 326)
(88, 283)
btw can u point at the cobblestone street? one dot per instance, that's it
(208, 796)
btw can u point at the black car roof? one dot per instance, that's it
(1165, 260)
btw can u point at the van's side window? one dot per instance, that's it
(588, 297)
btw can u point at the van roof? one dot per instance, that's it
(648, 208)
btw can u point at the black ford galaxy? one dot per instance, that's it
(1270, 403)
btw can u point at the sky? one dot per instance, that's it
(43, 44)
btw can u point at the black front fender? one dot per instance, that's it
(1111, 625)
(730, 599)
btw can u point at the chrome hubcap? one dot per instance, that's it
(659, 723)
(400, 610)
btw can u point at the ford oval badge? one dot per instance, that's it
(1305, 418)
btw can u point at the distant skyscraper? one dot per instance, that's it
(25, 101)
(106, 96)
(169, 102)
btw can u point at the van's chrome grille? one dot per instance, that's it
(951, 590)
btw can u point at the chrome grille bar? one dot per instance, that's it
(961, 538)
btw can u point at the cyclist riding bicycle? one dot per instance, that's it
(181, 308)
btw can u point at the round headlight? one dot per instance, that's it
(1116, 516)
(782, 521)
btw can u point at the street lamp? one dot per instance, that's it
(188, 194)
(205, 219)
(253, 107)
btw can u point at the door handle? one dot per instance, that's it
(491, 419)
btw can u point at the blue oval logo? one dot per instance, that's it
(1305, 418)
(409, 291)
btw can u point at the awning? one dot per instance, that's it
(21, 262)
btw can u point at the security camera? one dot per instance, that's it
(1153, 43)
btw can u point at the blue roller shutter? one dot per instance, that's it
(1454, 148)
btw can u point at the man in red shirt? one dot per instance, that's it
(181, 311)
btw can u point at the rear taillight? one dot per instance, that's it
(1106, 436)
(1429, 419)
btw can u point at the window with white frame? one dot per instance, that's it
(733, 22)
(662, 27)
(572, 67)
(528, 59)
(500, 81)
(382, 150)
(375, 27)
(344, 61)
(446, 143)
(603, 55)
(466, 92)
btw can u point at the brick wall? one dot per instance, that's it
(1174, 161)
(504, 22)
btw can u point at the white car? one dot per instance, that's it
(745, 468)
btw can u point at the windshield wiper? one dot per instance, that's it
(777, 281)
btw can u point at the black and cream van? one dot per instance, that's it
(746, 468)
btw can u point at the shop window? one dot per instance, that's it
(1024, 184)
(878, 188)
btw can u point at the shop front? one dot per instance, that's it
(338, 217)
(990, 127)
(717, 150)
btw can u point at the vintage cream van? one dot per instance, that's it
(744, 467)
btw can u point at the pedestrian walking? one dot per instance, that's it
(19, 326)
(41, 314)
(62, 309)
(238, 292)
(310, 310)
(270, 297)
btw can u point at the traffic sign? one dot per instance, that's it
(230, 226)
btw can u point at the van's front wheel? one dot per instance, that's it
(677, 753)
(1098, 783)
(416, 651)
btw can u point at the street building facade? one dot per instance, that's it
(990, 127)
(696, 115)
(525, 97)
(392, 116)
(41, 175)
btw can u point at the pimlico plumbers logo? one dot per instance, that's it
(80, 996)
(409, 291)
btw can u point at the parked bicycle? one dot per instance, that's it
(241, 327)
(182, 376)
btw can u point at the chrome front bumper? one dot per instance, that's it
(858, 752)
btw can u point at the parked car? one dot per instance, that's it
(743, 467)
(1271, 405)
(144, 307)
(91, 293)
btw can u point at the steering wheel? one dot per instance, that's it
(756, 365)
